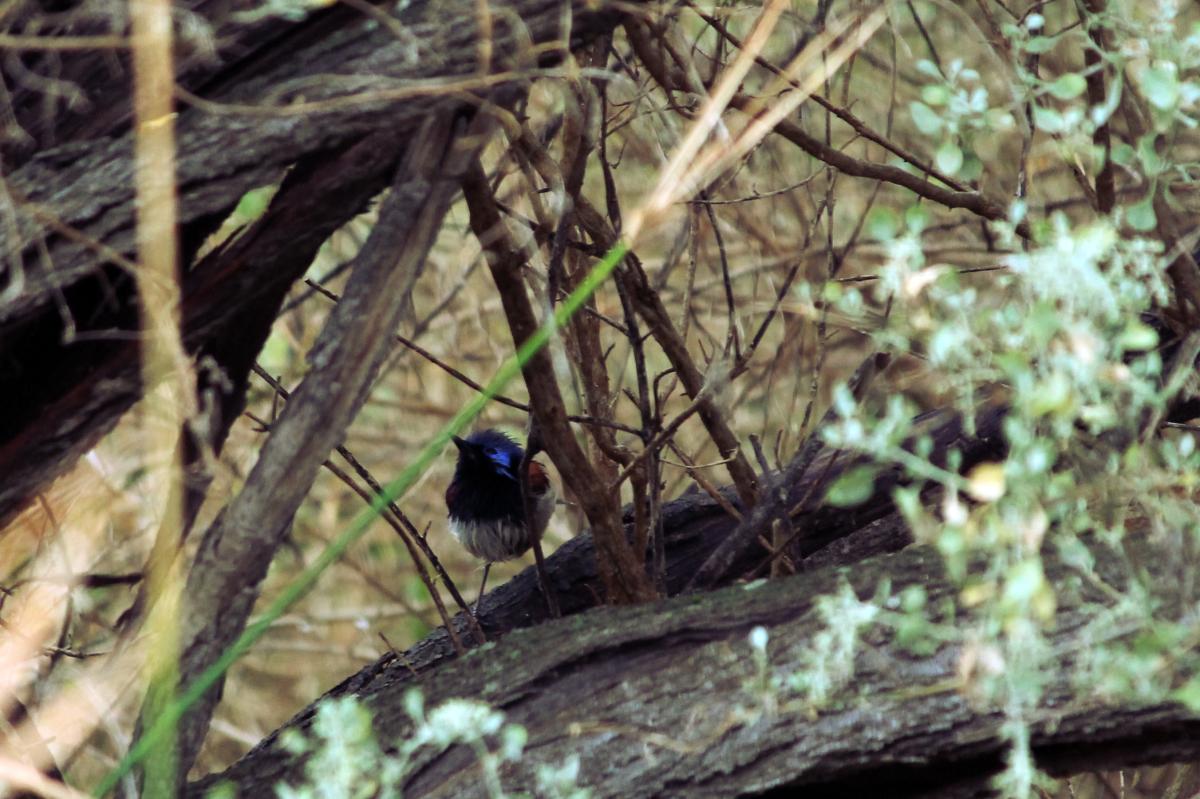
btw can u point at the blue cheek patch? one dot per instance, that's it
(503, 460)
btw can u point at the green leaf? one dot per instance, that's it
(254, 202)
(1112, 98)
(949, 158)
(936, 94)
(916, 218)
(972, 168)
(945, 342)
(1043, 321)
(1025, 588)
(1137, 335)
(1161, 85)
(854, 487)
(414, 703)
(1152, 163)
(1189, 694)
(513, 739)
(913, 599)
(1053, 395)
(908, 500)
(929, 68)
(223, 789)
(1040, 44)
(925, 118)
(999, 119)
(1048, 119)
(1017, 211)
(915, 635)
(882, 224)
(1141, 216)
(1067, 87)
(1122, 154)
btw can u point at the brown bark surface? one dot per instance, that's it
(68, 336)
(661, 699)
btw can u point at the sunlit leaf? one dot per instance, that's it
(882, 224)
(1048, 119)
(1141, 217)
(1152, 163)
(949, 157)
(1160, 84)
(1040, 44)
(925, 118)
(1122, 154)
(854, 487)
(1068, 86)
(1137, 335)
(935, 94)
(1189, 694)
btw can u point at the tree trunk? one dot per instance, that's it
(669, 700)
(69, 320)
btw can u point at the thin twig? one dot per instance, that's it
(399, 521)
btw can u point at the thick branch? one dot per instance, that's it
(668, 700)
(276, 250)
(68, 336)
(236, 551)
(694, 526)
(779, 500)
(348, 83)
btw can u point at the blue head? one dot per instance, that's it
(488, 454)
(485, 484)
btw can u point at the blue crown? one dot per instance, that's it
(491, 447)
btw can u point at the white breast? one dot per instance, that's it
(491, 540)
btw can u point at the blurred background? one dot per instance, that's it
(777, 212)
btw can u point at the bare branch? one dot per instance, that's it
(236, 551)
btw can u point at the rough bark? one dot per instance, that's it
(658, 700)
(349, 82)
(780, 497)
(695, 525)
(237, 549)
(283, 241)
(68, 348)
(215, 47)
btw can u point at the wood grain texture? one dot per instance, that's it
(68, 331)
(591, 652)
(658, 699)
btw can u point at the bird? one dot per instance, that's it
(483, 501)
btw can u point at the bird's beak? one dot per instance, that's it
(467, 452)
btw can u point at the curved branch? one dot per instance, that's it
(68, 332)
(972, 201)
(671, 700)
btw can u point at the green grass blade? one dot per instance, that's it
(166, 722)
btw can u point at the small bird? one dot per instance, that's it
(487, 514)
